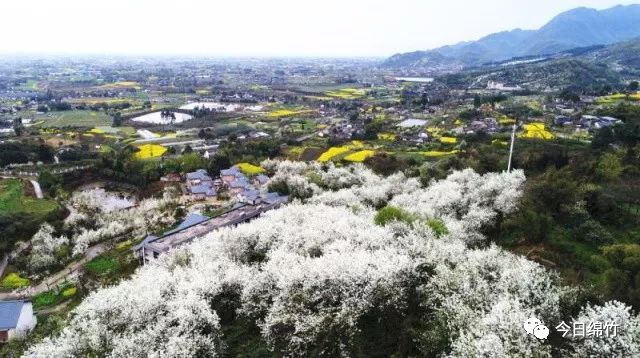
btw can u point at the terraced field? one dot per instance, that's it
(13, 199)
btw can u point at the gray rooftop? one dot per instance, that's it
(412, 123)
(203, 189)
(191, 220)
(10, 313)
(262, 179)
(200, 174)
(231, 171)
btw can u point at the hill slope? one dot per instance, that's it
(575, 28)
(319, 278)
(587, 68)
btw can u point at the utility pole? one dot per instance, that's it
(513, 139)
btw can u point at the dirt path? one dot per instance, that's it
(59, 277)
(53, 309)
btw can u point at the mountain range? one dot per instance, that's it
(580, 27)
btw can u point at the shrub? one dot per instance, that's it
(68, 292)
(438, 226)
(103, 265)
(13, 281)
(391, 213)
(45, 299)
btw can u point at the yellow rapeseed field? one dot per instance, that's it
(449, 140)
(387, 136)
(506, 121)
(281, 113)
(332, 152)
(359, 156)
(249, 169)
(437, 153)
(536, 131)
(150, 151)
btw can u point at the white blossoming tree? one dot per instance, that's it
(320, 278)
(44, 246)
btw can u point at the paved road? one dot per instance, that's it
(29, 173)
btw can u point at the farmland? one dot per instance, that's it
(14, 200)
(77, 118)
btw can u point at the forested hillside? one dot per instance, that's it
(359, 265)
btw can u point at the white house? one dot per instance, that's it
(16, 319)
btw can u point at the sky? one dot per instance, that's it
(327, 28)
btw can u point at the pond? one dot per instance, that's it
(157, 118)
(415, 79)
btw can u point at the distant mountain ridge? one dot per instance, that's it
(580, 27)
(591, 67)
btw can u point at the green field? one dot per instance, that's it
(30, 85)
(13, 200)
(88, 119)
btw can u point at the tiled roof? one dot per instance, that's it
(262, 179)
(203, 189)
(198, 174)
(191, 220)
(231, 171)
(10, 313)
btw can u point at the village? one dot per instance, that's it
(107, 174)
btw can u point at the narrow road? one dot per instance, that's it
(37, 189)
(59, 277)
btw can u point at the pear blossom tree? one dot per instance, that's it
(44, 246)
(317, 277)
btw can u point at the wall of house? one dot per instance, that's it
(26, 322)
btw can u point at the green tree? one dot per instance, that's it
(477, 101)
(622, 279)
(18, 127)
(609, 167)
(192, 162)
(49, 182)
(117, 120)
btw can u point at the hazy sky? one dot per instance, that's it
(263, 27)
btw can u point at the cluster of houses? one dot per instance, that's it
(251, 200)
(200, 186)
(587, 122)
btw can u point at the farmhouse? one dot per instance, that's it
(563, 121)
(250, 204)
(200, 185)
(196, 225)
(593, 122)
(16, 319)
(408, 123)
